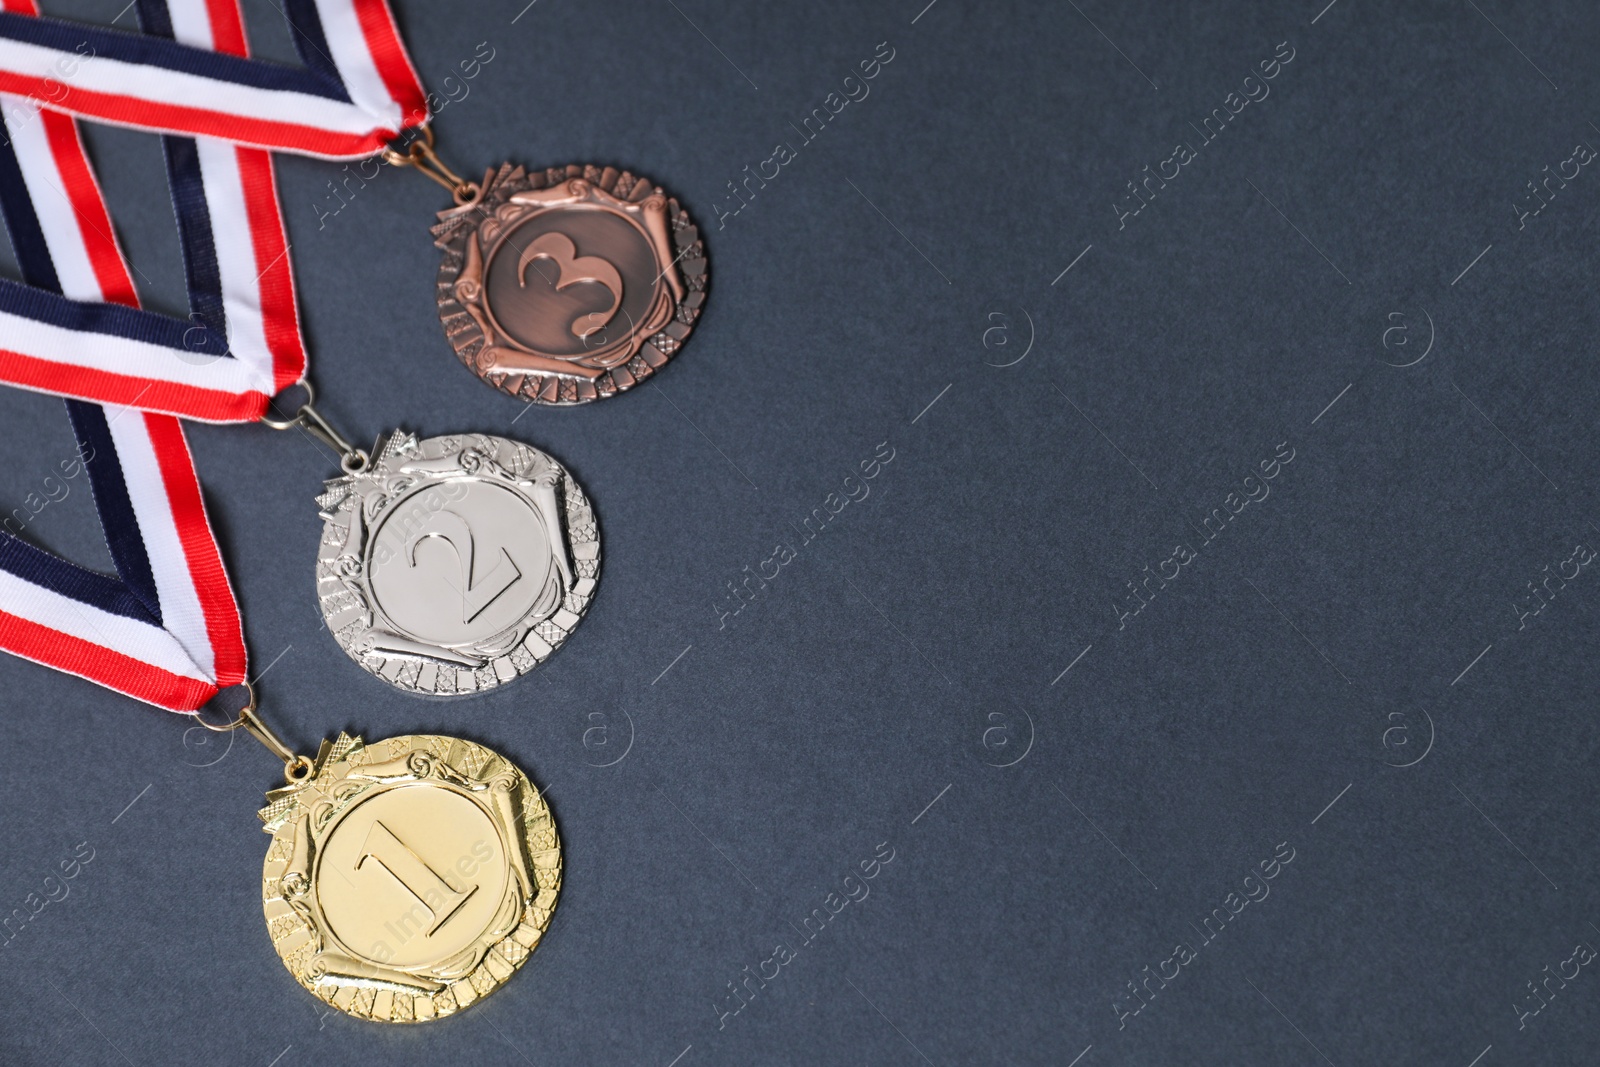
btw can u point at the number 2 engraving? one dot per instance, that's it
(413, 874)
(477, 591)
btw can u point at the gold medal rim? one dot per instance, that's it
(298, 928)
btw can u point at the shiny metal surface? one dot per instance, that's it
(568, 285)
(455, 564)
(410, 877)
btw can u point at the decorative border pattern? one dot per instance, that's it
(456, 230)
(300, 817)
(354, 505)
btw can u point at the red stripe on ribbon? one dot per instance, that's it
(89, 208)
(223, 627)
(198, 121)
(127, 390)
(275, 274)
(138, 679)
(227, 28)
(394, 66)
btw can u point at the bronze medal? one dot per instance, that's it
(567, 285)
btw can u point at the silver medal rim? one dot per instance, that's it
(344, 592)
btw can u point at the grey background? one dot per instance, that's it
(1358, 617)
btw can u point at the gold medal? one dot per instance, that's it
(407, 878)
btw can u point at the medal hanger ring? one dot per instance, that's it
(296, 768)
(351, 459)
(420, 154)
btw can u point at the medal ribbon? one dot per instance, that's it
(355, 94)
(241, 343)
(166, 629)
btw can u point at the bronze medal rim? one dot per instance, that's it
(302, 816)
(471, 328)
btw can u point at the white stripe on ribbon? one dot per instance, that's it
(51, 204)
(342, 29)
(181, 613)
(137, 83)
(142, 641)
(120, 355)
(191, 23)
(235, 245)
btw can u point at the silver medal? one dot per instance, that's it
(454, 564)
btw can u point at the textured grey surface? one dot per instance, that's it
(867, 295)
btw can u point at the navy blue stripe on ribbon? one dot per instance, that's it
(203, 275)
(154, 18)
(27, 237)
(187, 186)
(118, 320)
(102, 42)
(117, 517)
(38, 567)
(132, 594)
(305, 26)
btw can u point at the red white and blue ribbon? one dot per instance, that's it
(356, 92)
(165, 629)
(241, 343)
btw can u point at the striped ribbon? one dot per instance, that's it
(241, 343)
(355, 94)
(166, 629)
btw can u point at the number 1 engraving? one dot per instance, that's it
(413, 874)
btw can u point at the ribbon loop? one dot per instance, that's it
(189, 77)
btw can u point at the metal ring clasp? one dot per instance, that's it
(296, 768)
(420, 154)
(351, 459)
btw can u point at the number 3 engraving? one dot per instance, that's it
(571, 269)
(477, 591)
